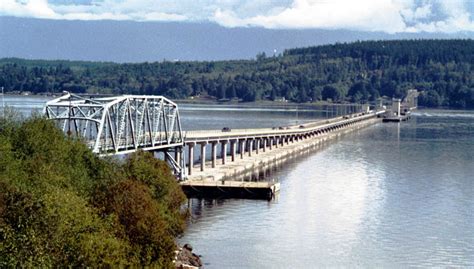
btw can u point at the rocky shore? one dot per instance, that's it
(186, 259)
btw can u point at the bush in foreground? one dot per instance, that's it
(60, 205)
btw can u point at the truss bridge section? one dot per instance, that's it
(122, 124)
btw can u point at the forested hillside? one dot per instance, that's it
(356, 72)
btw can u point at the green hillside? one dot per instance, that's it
(355, 72)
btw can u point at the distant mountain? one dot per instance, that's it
(126, 41)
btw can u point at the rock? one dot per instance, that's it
(188, 247)
(187, 259)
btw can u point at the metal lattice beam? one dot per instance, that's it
(121, 124)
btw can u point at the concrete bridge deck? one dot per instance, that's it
(211, 176)
(245, 143)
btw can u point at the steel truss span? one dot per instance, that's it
(122, 124)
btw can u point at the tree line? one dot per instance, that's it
(349, 72)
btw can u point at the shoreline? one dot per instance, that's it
(261, 103)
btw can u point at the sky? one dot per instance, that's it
(390, 16)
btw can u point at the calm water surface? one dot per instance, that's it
(390, 195)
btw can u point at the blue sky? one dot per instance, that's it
(390, 16)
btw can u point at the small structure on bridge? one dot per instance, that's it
(122, 124)
(401, 110)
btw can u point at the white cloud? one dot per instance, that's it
(369, 15)
(413, 14)
(372, 15)
(31, 8)
(453, 16)
(137, 10)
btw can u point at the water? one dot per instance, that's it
(389, 195)
(24, 104)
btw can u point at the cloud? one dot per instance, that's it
(417, 13)
(136, 10)
(369, 15)
(31, 8)
(450, 16)
(374, 15)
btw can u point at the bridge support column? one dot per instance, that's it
(178, 154)
(224, 151)
(277, 140)
(213, 153)
(257, 145)
(232, 150)
(191, 158)
(203, 156)
(270, 143)
(250, 145)
(264, 144)
(242, 148)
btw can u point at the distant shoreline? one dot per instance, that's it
(198, 100)
(261, 103)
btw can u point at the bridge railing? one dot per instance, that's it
(242, 133)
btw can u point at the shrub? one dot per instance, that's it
(62, 206)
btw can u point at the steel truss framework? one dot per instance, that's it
(122, 124)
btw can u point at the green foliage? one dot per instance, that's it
(61, 206)
(358, 72)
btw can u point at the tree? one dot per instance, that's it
(62, 206)
(331, 92)
(429, 99)
(360, 71)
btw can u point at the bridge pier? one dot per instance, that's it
(242, 148)
(224, 151)
(191, 158)
(257, 145)
(232, 150)
(213, 153)
(250, 145)
(179, 155)
(264, 144)
(203, 155)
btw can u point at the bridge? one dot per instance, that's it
(124, 124)
(241, 143)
